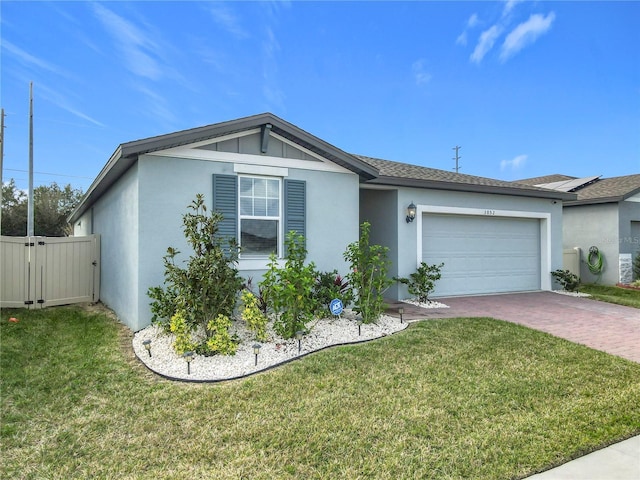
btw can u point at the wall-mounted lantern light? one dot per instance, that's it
(411, 212)
(147, 345)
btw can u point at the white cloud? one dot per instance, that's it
(525, 34)
(471, 22)
(514, 164)
(58, 99)
(419, 74)
(137, 48)
(487, 39)
(508, 6)
(462, 39)
(31, 60)
(227, 20)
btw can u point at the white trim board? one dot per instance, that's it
(545, 231)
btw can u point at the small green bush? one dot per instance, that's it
(183, 342)
(636, 267)
(288, 290)
(368, 275)
(255, 319)
(328, 286)
(206, 287)
(423, 281)
(219, 340)
(568, 280)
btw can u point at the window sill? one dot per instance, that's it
(256, 263)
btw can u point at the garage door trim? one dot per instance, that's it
(545, 231)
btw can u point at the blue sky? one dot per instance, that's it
(525, 88)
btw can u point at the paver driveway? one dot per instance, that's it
(604, 326)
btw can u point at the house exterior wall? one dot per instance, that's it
(629, 224)
(596, 225)
(168, 185)
(115, 218)
(380, 209)
(548, 211)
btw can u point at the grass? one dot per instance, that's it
(454, 398)
(606, 293)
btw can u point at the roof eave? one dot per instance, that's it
(594, 201)
(465, 187)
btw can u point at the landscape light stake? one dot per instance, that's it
(256, 351)
(401, 311)
(147, 345)
(299, 334)
(188, 356)
(359, 327)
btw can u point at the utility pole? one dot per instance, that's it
(1, 157)
(457, 157)
(30, 199)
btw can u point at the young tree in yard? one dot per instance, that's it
(51, 207)
(201, 296)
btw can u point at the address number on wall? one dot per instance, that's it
(489, 212)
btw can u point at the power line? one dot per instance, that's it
(45, 173)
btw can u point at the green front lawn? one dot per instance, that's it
(454, 398)
(606, 293)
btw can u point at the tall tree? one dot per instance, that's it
(52, 206)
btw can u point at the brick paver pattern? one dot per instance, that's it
(603, 326)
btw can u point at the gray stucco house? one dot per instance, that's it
(268, 176)
(605, 215)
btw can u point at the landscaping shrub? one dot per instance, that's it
(330, 285)
(368, 275)
(636, 267)
(423, 281)
(288, 290)
(206, 288)
(568, 280)
(253, 316)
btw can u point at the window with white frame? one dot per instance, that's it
(259, 215)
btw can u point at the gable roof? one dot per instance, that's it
(373, 171)
(601, 190)
(407, 175)
(127, 153)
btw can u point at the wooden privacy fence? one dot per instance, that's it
(37, 272)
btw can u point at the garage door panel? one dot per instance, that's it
(482, 254)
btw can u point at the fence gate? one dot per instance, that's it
(37, 272)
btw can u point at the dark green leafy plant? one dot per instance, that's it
(568, 280)
(207, 287)
(330, 285)
(368, 275)
(288, 290)
(423, 281)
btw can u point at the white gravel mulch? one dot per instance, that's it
(323, 333)
(430, 304)
(571, 294)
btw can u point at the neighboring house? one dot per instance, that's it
(605, 215)
(268, 176)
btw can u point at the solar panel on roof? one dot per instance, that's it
(569, 185)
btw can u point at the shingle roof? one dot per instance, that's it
(556, 177)
(609, 189)
(404, 174)
(604, 190)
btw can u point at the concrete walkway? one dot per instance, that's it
(603, 326)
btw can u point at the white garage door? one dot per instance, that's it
(482, 254)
